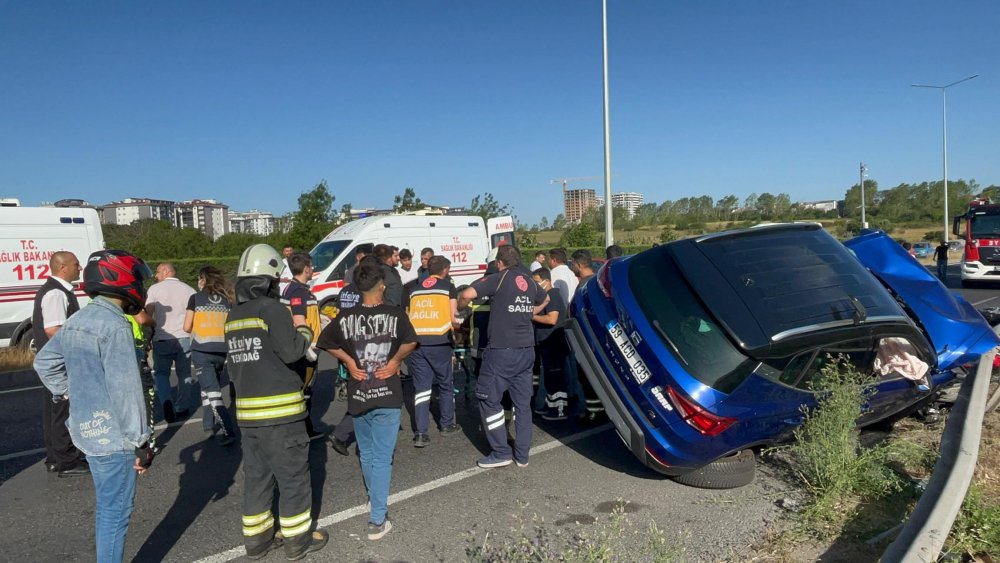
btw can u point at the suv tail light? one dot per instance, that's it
(604, 279)
(703, 421)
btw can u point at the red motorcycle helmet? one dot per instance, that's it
(116, 273)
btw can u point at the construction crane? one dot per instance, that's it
(566, 181)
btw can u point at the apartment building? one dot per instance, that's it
(254, 221)
(631, 201)
(207, 215)
(130, 210)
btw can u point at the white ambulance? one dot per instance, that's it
(28, 238)
(465, 240)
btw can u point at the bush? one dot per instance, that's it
(934, 236)
(579, 235)
(667, 235)
(827, 454)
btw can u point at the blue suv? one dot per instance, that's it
(703, 348)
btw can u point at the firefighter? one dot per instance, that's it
(432, 310)
(510, 353)
(263, 347)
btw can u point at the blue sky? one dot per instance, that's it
(253, 102)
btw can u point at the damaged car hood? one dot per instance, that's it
(957, 331)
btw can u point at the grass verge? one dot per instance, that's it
(619, 537)
(976, 532)
(858, 487)
(15, 358)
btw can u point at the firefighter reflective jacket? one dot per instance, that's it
(262, 343)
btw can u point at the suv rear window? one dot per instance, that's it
(683, 323)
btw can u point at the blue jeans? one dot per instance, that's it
(114, 483)
(376, 432)
(942, 269)
(176, 353)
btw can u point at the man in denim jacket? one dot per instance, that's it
(92, 358)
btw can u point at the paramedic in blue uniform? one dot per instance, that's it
(432, 311)
(514, 299)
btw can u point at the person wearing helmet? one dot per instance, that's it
(93, 359)
(263, 346)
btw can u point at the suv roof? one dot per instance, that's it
(770, 283)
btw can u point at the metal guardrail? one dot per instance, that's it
(922, 537)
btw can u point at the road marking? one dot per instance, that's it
(332, 519)
(22, 454)
(983, 301)
(22, 389)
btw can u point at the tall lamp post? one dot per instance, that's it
(944, 137)
(609, 234)
(864, 223)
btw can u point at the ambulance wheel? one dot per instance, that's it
(729, 472)
(26, 338)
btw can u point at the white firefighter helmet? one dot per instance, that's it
(260, 260)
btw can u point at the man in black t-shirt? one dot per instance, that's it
(432, 310)
(514, 299)
(550, 341)
(343, 433)
(372, 340)
(941, 259)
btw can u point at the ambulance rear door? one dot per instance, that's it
(500, 231)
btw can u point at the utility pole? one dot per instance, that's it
(864, 223)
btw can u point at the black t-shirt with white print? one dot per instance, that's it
(513, 296)
(371, 335)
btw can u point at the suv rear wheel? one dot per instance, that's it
(734, 470)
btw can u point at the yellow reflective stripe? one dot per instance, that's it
(433, 330)
(243, 324)
(264, 414)
(259, 529)
(295, 520)
(290, 532)
(271, 401)
(256, 518)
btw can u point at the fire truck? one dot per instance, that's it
(981, 257)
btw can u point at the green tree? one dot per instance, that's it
(852, 199)
(314, 219)
(487, 207)
(580, 235)
(233, 244)
(407, 202)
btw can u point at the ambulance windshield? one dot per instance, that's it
(325, 253)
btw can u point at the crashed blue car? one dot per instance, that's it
(704, 348)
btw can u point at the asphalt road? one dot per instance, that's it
(188, 506)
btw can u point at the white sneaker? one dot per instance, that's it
(378, 532)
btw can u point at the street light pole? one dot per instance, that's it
(609, 235)
(944, 138)
(864, 223)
